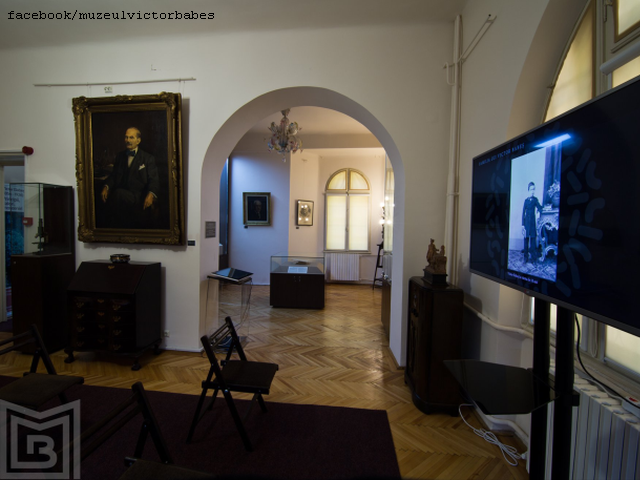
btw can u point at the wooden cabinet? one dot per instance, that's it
(295, 290)
(433, 335)
(297, 280)
(115, 308)
(39, 284)
(385, 310)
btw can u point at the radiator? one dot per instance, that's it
(344, 267)
(605, 438)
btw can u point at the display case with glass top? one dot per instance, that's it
(297, 280)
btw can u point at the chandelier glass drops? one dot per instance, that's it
(284, 137)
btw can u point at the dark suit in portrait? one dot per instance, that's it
(128, 189)
(529, 226)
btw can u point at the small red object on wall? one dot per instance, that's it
(27, 150)
(27, 221)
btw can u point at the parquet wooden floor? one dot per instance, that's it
(335, 356)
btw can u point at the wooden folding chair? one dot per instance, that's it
(120, 415)
(138, 469)
(233, 376)
(35, 389)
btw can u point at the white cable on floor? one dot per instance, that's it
(509, 453)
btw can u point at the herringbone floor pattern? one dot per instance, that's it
(335, 356)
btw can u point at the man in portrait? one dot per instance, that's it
(131, 190)
(256, 211)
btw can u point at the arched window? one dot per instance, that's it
(347, 211)
(603, 52)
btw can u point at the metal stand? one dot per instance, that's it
(378, 265)
(538, 440)
(233, 300)
(565, 399)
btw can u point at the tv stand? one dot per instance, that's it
(502, 390)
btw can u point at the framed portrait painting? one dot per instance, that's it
(256, 208)
(129, 169)
(304, 212)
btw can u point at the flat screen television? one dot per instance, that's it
(556, 211)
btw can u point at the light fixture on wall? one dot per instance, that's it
(283, 136)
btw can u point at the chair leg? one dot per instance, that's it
(150, 426)
(213, 399)
(238, 421)
(263, 406)
(196, 417)
(142, 439)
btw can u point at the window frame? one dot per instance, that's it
(348, 192)
(611, 50)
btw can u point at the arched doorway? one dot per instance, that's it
(255, 110)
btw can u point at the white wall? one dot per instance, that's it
(303, 176)
(390, 76)
(304, 186)
(251, 247)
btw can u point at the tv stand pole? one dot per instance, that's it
(538, 440)
(565, 399)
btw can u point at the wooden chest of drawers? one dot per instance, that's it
(434, 334)
(115, 308)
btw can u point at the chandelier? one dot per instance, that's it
(283, 136)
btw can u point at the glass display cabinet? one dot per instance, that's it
(41, 238)
(297, 280)
(42, 218)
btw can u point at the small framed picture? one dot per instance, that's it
(305, 213)
(256, 208)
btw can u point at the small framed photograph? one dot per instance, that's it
(305, 213)
(256, 208)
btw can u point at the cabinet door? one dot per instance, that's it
(309, 291)
(444, 344)
(281, 290)
(433, 335)
(417, 341)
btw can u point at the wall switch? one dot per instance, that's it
(166, 333)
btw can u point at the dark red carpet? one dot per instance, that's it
(290, 441)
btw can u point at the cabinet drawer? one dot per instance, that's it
(121, 305)
(84, 328)
(89, 342)
(123, 331)
(121, 318)
(81, 303)
(123, 345)
(78, 317)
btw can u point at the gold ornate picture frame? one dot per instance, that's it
(129, 169)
